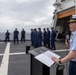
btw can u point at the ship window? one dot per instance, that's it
(62, 0)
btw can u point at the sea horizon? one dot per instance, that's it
(2, 36)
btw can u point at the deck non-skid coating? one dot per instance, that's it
(2, 50)
(19, 64)
(1, 59)
(19, 61)
(2, 47)
(21, 47)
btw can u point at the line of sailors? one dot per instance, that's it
(36, 37)
(46, 36)
(15, 36)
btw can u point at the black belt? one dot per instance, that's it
(73, 62)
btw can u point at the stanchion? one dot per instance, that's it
(60, 69)
(27, 49)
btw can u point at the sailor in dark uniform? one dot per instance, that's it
(32, 37)
(48, 37)
(23, 35)
(35, 38)
(53, 36)
(15, 33)
(7, 36)
(39, 37)
(44, 37)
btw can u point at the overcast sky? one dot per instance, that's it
(25, 14)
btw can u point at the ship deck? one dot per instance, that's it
(15, 61)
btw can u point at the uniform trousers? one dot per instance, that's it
(72, 68)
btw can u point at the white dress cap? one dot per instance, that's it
(74, 16)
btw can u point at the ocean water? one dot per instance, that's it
(2, 36)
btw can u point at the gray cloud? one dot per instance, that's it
(25, 13)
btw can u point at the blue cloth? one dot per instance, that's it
(32, 38)
(23, 36)
(35, 39)
(72, 65)
(72, 68)
(7, 36)
(48, 38)
(53, 36)
(39, 38)
(48, 35)
(16, 36)
(73, 43)
(44, 38)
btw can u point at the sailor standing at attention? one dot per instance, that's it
(39, 37)
(72, 54)
(32, 36)
(44, 37)
(53, 37)
(7, 36)
(16, 38)
(48, 37)
(23, 32)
